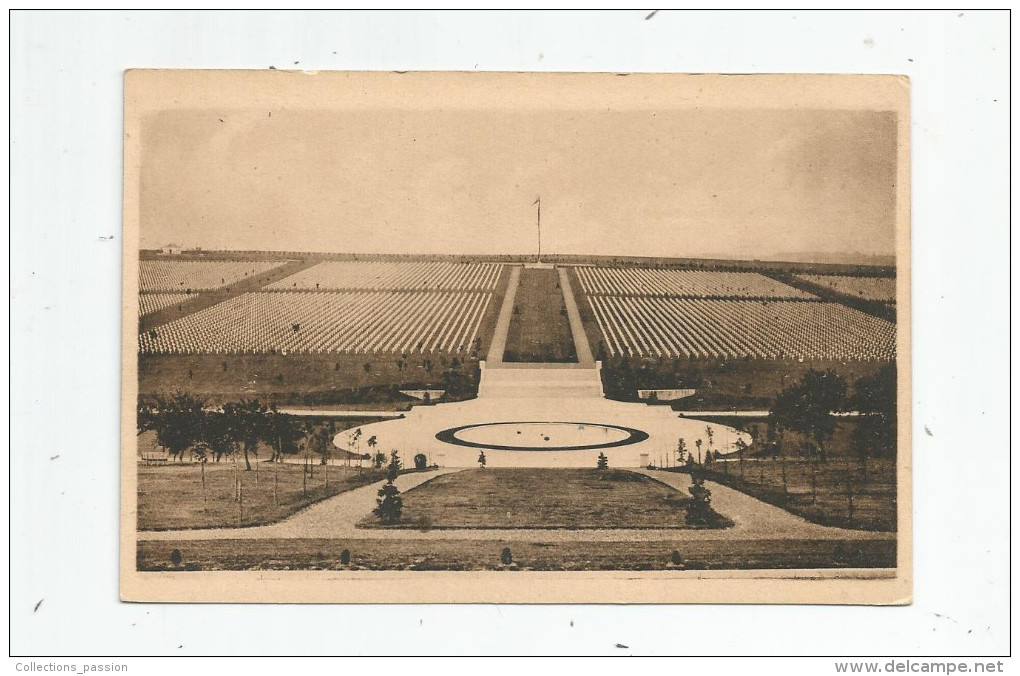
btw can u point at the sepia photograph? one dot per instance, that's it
(606, 326)
(339, 337)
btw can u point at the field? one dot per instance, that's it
(731, 384)
(682, 283)
(172, 496)
(372, 275)
(327, 323)
(544, 498)
(723, 315)
(149, 303)
(320, 554)
(188, 276)
(539, 328)
(732, 329)
(882, 289)
(373, 381)
(819, 491)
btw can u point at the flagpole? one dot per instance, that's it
(539, 203)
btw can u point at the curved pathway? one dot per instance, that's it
(336, 518)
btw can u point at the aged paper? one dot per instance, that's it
(516, 337)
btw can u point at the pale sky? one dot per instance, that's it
(737, 183)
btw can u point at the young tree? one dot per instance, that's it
(481, 459)
(354, 441)
(681, 450)
(372, 443)
(603, 461)
(806, 407)
(698, 444)
(741, 449)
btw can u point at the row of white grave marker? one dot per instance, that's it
(326, 323)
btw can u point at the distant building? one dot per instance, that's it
(173, 249)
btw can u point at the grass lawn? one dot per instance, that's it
(171, 496)
(873, 491)
(309, 379)
(320, 554)
(539, 329)
(543, 498)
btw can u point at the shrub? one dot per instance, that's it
(389, 504)
(505, 557)
(345, 557)
(176, 558)
(676, 559)
(603, 462)
(420, 461)
(699, 508)
(481, 459)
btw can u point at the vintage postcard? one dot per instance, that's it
(516, 337)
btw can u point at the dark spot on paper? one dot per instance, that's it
(296, 62)
(928, 431)
(651, 14)
(272, 68)
(620, 645)
(221, 119)
(36, 609)
(869, 42)
(54, 457)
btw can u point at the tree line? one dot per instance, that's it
(183, 423)
(807, 408)
(811, 407)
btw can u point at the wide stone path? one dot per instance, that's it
(337, 517)
(498, 344)
(581, 347)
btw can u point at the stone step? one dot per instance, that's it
(514, 375)
(539, 391)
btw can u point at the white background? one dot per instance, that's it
(66, 71)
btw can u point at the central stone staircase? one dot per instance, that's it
(567, 381)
